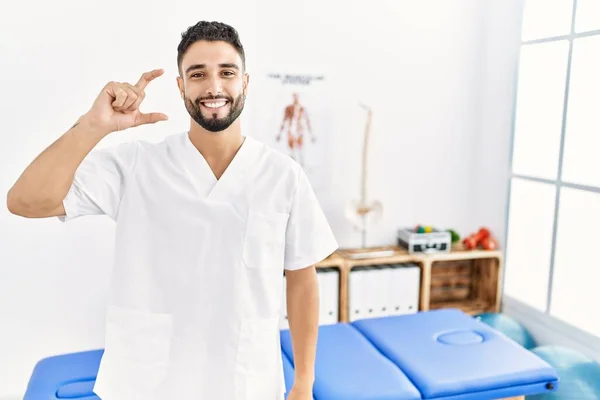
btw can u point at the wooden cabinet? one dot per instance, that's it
(466, 279)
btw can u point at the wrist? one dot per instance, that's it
(304, 381)
(92, 127)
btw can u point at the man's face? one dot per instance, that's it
(213, 84)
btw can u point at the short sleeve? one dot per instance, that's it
(99, 182)
(309, 238)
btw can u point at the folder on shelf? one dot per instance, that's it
(328, 295)
(413, 287)
(370, 294)
(404, 288)
(369, 291)
(380, 290)
(356, 293)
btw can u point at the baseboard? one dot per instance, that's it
(548, 330)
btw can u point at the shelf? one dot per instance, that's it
(465, 279)
(458, 252)
(399, 255)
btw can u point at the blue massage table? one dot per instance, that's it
(68, 376)
(442, 355)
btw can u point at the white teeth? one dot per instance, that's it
(215, 105)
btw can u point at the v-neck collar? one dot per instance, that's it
(203, 177)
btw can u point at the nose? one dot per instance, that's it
(215, 88)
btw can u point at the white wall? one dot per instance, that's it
(419, 64)
(420, 71)
(502, 40)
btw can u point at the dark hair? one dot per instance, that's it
(210, 31)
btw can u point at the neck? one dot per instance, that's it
(216, 144)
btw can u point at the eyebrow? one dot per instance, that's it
(203, 66)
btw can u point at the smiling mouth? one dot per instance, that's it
(214, 104)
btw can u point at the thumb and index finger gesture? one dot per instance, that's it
(153, 117)
(125, 101)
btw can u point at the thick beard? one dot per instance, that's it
(215, 124)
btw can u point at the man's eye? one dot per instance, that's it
(197, 75)
(228, 73)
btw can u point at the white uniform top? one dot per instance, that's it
(196, 294)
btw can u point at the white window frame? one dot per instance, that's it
(543, 325)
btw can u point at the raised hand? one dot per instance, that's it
(117, 107)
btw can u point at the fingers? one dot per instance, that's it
(135, 97)
(141, 95)
(127, 98)
(148, 77)
(119, 94)
(132, 98)
(124, 97)
(150, 118)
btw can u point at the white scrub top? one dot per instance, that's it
(196, 294)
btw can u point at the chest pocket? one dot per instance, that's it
(264, 240)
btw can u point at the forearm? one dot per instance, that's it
(303, 315)
(47, 179)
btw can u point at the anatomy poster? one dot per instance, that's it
(295, 117)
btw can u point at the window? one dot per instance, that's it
(553, 222)
(543, 19)
(540, 101)
(581, 161)
(532, 204)
(574, 289)
(588, 16)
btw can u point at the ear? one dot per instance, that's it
(181, 87)
(245, 84)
